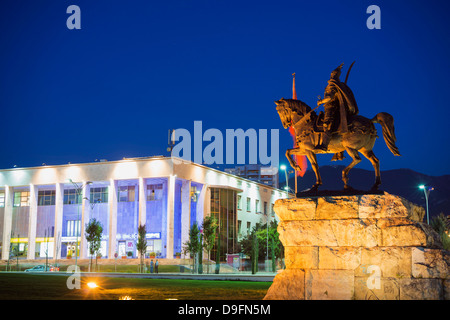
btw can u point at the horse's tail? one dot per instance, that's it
(387, 125)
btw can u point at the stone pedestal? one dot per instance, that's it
(358, 247)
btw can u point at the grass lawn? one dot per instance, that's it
(32, 286)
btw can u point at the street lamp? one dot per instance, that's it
(79, 190)
(426, 191)
(283, 167)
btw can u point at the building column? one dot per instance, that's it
(112, 202)
(85, 216)
(59, 204)
(203, 204)
(170, 216)
(142, 202)
(185, 210)
(7, 221)
(32, 220)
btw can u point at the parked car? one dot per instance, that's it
(41, 268)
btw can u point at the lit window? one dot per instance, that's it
(71, 196)
(126, 194)
(154, 192)
(46, 198)
(22, 199)
(73, 228)
(99, 195)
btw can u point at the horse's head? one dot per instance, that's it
(284, 112)
(290, 111)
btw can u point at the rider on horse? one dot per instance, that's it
(339, 103)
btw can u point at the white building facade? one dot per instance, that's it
(43, 210)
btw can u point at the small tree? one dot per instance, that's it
(141, 244)
(200, 254)
(209, 227)
(94, 230)
(441, 225)
(193, 244)
(254, 255)
(217, 271)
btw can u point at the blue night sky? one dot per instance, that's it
(139, 68)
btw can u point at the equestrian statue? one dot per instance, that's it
(336, 130)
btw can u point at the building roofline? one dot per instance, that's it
(148, 158)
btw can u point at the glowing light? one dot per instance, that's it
(125, 170)
(92, 285)
(283, 167)
(421, 186)
(125, 298)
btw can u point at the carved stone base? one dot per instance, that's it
(358, 247)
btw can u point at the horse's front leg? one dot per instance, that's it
(315, 166)
(292, 162)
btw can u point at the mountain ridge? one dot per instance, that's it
(403, 182)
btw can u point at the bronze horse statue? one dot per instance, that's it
(360, 137)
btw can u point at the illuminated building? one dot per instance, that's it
(43, 208)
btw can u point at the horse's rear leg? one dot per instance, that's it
(376, 165)
(356, 159)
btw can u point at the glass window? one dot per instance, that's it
(46, 198)
(248, 204)
(2, 199)
(99, 195)
(73, 228)
(71, 196)
(154, 192)
(194, 193)
(265, 207)
(223, 209)
(257, 206)
(126, 194)
(239, 202)
(22, 199)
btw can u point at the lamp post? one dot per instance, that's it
(79, 190)
(267, 236)
(283, 167)
(426, 191)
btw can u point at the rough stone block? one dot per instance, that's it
(446, 284)
(401, 232)
(295, 209)
(421, 289)
(302, 257)
(394, 262)
(339, 258)
(385, 289)
(356, 232)
(430, 263)
(306, 233)
(337, 208)
(329, 285)
(287, 285)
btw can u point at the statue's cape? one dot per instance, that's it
(347, 102)
(345, 96)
